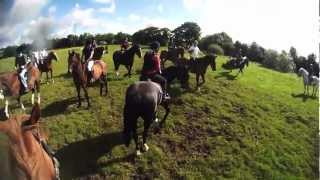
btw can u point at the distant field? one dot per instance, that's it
(255, 126)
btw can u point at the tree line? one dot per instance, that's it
(218, 43)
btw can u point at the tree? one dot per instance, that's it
(215, 49)
(222, 39)
(9, 51)
(150, 34)
(256, 52)
(187, 33)
(120, 37)
(293, 53)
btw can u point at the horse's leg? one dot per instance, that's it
(198, 78)
(135, 137)
(79, 96)
(21, 104)
(147, 123)
(166, 107)
(203, 79)
(32, 97)
(86, 95)
(51, 76)
(105, 83)
(6, 109)
(47, 77)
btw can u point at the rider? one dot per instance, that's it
(20, 64)
(151, 68)
(194, 52)
(124, 45)
(310, 72)
(87, 54)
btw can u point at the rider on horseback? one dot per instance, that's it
(151, 68)
(20, 64)
(87, 54)
(124, 45)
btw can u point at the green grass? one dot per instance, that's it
(255, 126)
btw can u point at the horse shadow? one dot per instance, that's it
(227, 75)
(58, 107)
(81, 158)
(303, 96)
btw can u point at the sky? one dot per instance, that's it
(273, 24)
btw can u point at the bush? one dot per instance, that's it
(216, 49)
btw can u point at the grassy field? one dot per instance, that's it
(256, 126)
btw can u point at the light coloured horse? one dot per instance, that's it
(313, 81)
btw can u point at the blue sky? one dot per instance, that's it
(276, 24)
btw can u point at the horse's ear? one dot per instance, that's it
(35, 114)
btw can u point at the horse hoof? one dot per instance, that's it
(138, 153)
(146, 147)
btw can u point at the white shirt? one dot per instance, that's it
(195, 51)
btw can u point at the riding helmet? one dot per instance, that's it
(155, 45)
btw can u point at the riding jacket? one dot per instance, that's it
(151, 64)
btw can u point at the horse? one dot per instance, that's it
(142, 100)
(200, 66)
(126, 58)
(172, 55)
(27, 152)
(11, 86)
(176, 72)
(234, 63)
(313, 81)
(80, 75)
(46, 66)
(98, 52)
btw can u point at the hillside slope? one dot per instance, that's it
(255, 126)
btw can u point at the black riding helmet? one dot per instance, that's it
(155, 45)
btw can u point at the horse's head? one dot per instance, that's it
(301, 71)
(24, 148)
(212, 61)
(74, 61)
(137, 50)
(53, 55)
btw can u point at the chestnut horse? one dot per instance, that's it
(46, 66)
(10, 86)
(80, 75)
(27, 158)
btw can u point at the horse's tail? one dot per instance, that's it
(127, 125)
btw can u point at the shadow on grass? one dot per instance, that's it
(81, 158)
(303, 96)
(58, 107)
(65, 76)
(227, 75)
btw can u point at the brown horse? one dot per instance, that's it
(10, 86)
(173, 55)
(80, 75)
(27, 157)
(200, 66)
(46, 66)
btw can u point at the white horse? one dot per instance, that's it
(313, 81)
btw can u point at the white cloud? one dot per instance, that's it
(160, 8)
(111, 6)
(134, 17)
(276, 24)
(17, 17)
(52, 9)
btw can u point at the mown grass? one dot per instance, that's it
(254, 126)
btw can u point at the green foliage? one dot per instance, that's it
(148, 35)
(222, 39)
(187, 33)
(216, 49)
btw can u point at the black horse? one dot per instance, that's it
(126, 58)
(172, 55)
(236, 63)
(177, 72)
(142, 100)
